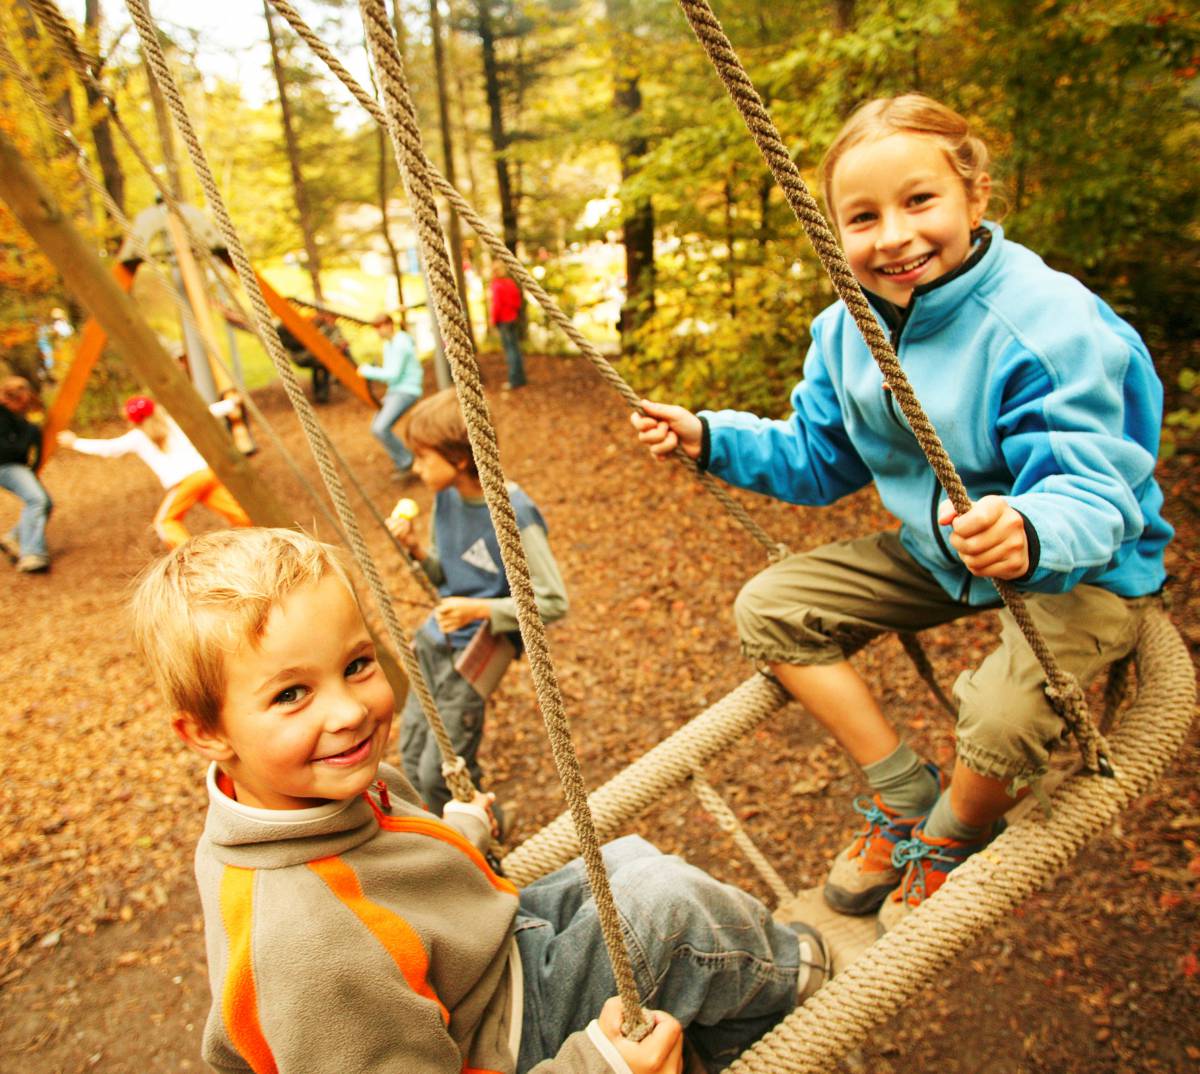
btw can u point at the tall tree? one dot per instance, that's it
(455, 228)
(106, 153)
(638, 214)
(485, 27)
(311, 250)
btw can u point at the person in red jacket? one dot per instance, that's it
(506, 308)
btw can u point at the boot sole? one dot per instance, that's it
(857, 903)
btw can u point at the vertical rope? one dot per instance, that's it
(1061, 687)
(728, 822)
(457, 779)
(406, 140)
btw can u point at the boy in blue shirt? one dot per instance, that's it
(465, 565)
(401, 371)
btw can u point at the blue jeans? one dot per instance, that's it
(703, 951)
(461, 709)
(510, 341)
(31, 526)
(391, 409)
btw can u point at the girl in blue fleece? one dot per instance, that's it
(1050, 407)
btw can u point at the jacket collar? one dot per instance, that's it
(932, 304)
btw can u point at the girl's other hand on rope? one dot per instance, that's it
(484, 800)
(455, 612)
(990, 537)
(659, 1052)
(663, 428)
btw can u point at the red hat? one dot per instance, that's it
(138, 408)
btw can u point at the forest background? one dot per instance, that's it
(574, 124)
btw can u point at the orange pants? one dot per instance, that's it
(200, 487)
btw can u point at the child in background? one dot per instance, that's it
(401, 371)
(464, 563)
(505, 301)
(1050, 407)
(160, 444)
(350, 931)
(20, 456)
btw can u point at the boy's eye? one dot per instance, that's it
(290, 696)
(358, 665)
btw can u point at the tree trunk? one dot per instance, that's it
(106, 153)
(491, 79)
(464, 128)
(639, 219)
(312, 254)
(456, 243)
(166, 133)
(843, 15)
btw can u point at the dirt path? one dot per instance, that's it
(102, 963)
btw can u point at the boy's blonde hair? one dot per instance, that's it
(202, 601)
(436, 424)
(912, 113)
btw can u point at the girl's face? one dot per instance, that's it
(904, 214)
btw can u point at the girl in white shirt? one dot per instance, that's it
(160, 444)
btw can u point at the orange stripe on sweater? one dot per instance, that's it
(395, 934)
(439, 830)
(239, 1002)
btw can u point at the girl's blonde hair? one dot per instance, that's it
(208, 597)
(911, 113)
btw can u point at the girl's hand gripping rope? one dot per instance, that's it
(663, 427)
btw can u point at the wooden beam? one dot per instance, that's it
(70, 389)
(96, 290)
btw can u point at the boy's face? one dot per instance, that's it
(307, 709)
(386, 329)
(434, 469)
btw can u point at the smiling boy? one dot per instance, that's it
(347, 929)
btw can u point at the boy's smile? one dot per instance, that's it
(307, 709)
(903, 213)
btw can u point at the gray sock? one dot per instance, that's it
(903, 782)
(943, 824)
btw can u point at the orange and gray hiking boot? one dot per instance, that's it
(926, 861)
(863, 874)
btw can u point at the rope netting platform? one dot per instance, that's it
(875, 977)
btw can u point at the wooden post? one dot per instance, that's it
(85, 276)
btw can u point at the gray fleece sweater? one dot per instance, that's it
(362, 937)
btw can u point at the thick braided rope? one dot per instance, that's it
(1062, 689)
(35, 94)
(638, 785)
(457, 779)
(531, 286)
(728, 822)
(984, 890)
(406, 140)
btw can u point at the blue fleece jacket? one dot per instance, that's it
(1039, 392)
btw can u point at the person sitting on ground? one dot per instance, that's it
(477, 606)
(161, 444)
(350, 931)
(505, 300)
(1050, 405)
(401, 371)
(20, 457)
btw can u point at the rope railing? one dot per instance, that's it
(406, 141)
(1062, 689)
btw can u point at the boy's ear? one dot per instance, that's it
(211, 745)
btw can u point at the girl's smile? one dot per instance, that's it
(904, 214)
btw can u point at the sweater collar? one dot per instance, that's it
(932, 304)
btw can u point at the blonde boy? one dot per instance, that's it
(347, 929)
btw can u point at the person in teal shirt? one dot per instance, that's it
(401, 371)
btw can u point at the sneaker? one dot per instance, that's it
(816, 962)
(863, 874)
(33, 564)
(926, 862)
(10, 547)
